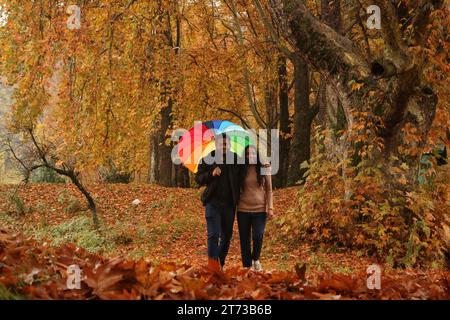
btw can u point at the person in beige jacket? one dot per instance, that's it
(254, 206)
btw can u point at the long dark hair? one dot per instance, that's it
(258, 164)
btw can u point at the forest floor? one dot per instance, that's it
(164, 236)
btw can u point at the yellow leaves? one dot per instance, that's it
(98, 92)
(360, 239)
(355, 86)
(402, 180)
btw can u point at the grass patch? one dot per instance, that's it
(7, 219)
(6, 294)
(17, 204)
(165, 203)
(183, 225)
(81, 231)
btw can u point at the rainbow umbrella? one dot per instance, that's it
(198, 142)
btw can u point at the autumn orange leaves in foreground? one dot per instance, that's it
(40, 272)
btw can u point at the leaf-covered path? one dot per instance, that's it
(167, 225)
(156, 250)
(30, 270)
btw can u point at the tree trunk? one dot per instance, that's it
(91, 203)
(304, 114)
(152, 172)
(180, 176)
(391, 90)
(163, 171)
(331, 115)
(164, 176)
(280, 179)
(64, 170)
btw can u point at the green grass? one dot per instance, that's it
(137, 253)
(18, 204)
(79, 230)
(165, 203)
(6, 294)
(7, 219)
(107, 239)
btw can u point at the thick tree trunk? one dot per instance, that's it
(301, 141)
(331, 116)
(270, 102)
(164, 176)
(392, 88)
(180, 177)
(280, 179)
(160, 168)
(163, 170)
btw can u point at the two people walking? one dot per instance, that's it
(235, 184)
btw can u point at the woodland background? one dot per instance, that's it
(363, 113)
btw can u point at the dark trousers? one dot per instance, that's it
(219, 222)
(251, 227)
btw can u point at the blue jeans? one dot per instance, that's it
(219, 222)
(251, 227)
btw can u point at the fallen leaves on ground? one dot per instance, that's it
(39, 271)
(171, 218)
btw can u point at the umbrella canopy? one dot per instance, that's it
(199, 141)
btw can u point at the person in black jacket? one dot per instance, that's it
(219, 172)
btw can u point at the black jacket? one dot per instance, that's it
(204, 177)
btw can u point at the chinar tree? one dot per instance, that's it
(394, 101)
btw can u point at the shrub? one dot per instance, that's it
(81, 231)
(18, 204)
(6, 294)
(349, 206)
(46, 175)
(113, 175)
(72, 204)
(78, 230)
